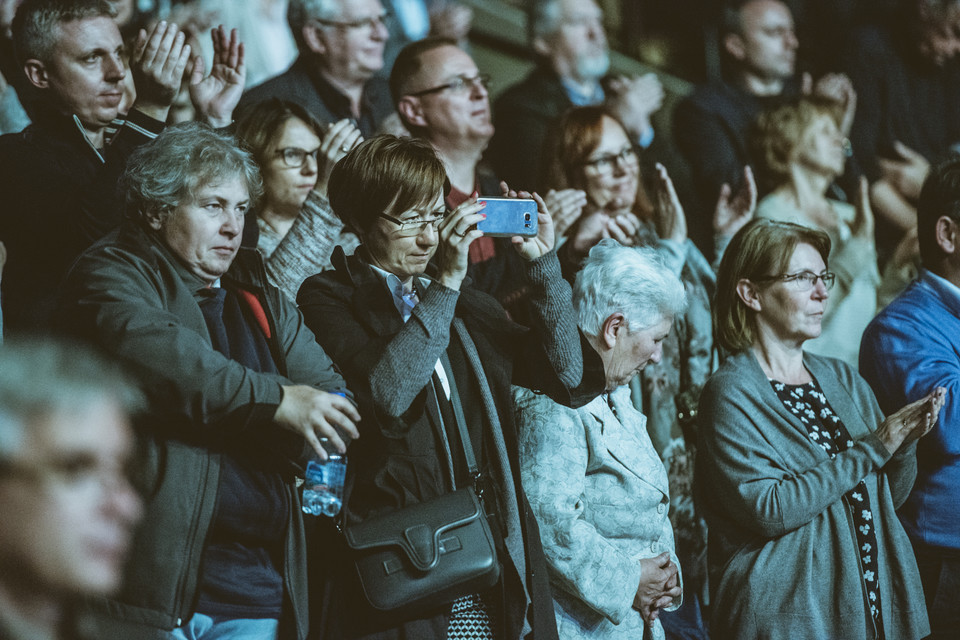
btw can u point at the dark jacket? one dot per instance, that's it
(302, 84)
(399, 460)
(132, 298)
(58, 196)
(523, 117)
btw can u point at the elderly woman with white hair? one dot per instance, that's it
(593, 478)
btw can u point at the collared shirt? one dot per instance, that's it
(944, 285)
(404, 301)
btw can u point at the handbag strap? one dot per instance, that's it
(465, 441)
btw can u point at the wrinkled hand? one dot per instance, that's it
(451, 20)
(542, 243)
(913, 421)
(669, 217)
(157, 64)
(340, 137)
(838, 88)
(863, 222)
(634, 100)
(734, 210)
(317, 415)
(565, 206)
(658, 586)
(216, 95)
(907, 173)
(457, 232)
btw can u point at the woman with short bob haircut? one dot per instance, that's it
(407, 339)
(799, 473)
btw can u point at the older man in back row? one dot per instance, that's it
(341, 45)
(236, 385)
(571, 44)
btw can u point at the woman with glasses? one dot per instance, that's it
(803, 153)
(798, 471)
(595, 154)
(407, 339)
(297, 229)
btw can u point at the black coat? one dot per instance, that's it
(398, 459)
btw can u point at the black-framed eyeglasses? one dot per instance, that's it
(459, 84)
(604, 164)
(294, 157)
(371, 23)
(804, 280)
(414, 226)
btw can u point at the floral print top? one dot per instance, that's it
(808, 403)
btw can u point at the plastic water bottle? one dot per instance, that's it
(323, 485)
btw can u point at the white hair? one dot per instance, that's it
(631, 280)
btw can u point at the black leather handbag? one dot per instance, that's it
(430, 553)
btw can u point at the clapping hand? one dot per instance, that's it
(734, 210)
(216, 95)
(906, 173)
(157, 63)
(565, 206)
(913, 421)
(339, 139)
(670, 219)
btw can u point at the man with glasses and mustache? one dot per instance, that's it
(442, 98)
(341, 46)
(570, 40)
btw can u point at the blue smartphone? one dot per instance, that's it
(508, 217)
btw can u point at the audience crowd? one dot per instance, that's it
(241, 240)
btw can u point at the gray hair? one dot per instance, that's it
(165, 172)
(632, 280)
(300, 12)
(43, 377)
(546, 19)
(36, 26)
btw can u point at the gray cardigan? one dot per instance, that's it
(783, 553)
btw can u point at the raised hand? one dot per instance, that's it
(862, 225)
(734, 210)
(913, 421)
(457, 231)
(838, 88)
(634, 101)
(669, 217)
(216, 95)
(341, 137)
(906, 173)
(450, 20)
(157, 64)
(565, 206)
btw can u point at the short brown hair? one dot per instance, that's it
(384, 173)
(408, 63)
(777, 133)
(262, 122)
(762, 248)
(36, 25)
